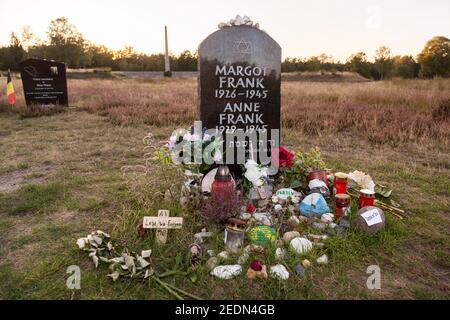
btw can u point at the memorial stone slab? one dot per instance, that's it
(240, 82)
(44, 82)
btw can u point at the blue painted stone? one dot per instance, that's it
(314, 205)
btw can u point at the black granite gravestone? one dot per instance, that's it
(44, 82)
(239, 81)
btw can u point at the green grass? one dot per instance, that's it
(32, 199)
(40, 223)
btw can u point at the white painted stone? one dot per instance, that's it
(279, 272)
(301, 245)
(227, 272)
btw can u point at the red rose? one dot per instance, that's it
(256, 265)
(282, 157)
(251, 208)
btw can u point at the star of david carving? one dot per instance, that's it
(242, 46)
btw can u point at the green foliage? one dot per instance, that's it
(303, 163)
(358, 63)
(435, 58)
(65, 43)
(33, 199)
(315, 63)
(405, 67)
(309, 160)
(11, 56)
(383, 62)
(433, 61)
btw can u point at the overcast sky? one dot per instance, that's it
(302, 28)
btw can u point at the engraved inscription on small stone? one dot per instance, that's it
(44, 82)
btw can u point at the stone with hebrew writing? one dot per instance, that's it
(239, 84)
(370, 219)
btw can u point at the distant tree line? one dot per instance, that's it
(433, 61)
(65, 43)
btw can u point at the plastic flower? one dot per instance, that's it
(282, 157)
(254, 173)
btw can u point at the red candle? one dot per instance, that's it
(222, 186)
(342, 205)
(340, 183)
(366, 198)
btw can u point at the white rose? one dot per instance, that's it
(250, 164)
(252, 174)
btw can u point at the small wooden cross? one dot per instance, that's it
(162, 223)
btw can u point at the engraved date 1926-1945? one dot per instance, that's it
(247, 94)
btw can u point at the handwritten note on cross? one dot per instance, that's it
(162, 223)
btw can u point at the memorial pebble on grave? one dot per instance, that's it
(239, 84)
(44, 82)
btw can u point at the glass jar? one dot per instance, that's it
(366, 198)
(234, 239)
(340, 183)
(318, 174)
(234, 234)
(222, 186)
(342, 205)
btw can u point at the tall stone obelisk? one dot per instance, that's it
(167, 72)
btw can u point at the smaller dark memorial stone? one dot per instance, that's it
(44, 82)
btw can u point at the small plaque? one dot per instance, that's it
(372, 217)
(162, 223)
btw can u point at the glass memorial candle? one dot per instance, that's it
(222, 186)
(340, 183)
(342, 205)
(234, 234)
(366, 198)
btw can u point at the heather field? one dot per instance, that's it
(390, 112)
(60, 179)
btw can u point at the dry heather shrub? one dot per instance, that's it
(381, 112)
(442, 112)
(163, 103)
(220, 210)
